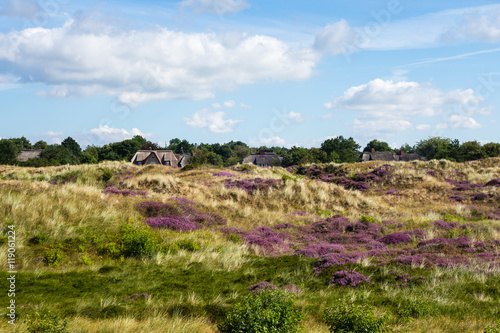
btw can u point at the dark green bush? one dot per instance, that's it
(39, 239)
(137, 241)
(266, 311)
(345, 317)
(190, 166)
(106, 175)
(46, 322)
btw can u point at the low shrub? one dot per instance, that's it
(344, 316)
(137, 241)
(53, 256)
(46, 322)
(493, 328)
(265, 311)
(188, 245)
(348, 278)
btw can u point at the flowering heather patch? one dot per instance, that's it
(409, 260)
(224, 174)
(444, 225)
(319, 249)
(457, 198)
(349, 184)
(125, 193)
(493, 183)
(396, 238)
(251, 185)
(298, 214)
(261, 286)
(337, 259)
(177, 223)
(210, 219)
(283, 226)
(136, 297)
(480, 196)
(430, 172)
(154, 209)
(391, 192)
(348, 278)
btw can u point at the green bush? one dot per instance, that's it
(365, 218)
(415, 308)
(53, 256)
(39, 239)
(190, 166)
(188, 244)
(493, 328)
(347, 317)
(106, 175)
(137, 241)
(266, 311)
(46, 322)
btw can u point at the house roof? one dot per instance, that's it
(382, 156)
(263, 158)
(28, 154)
(161, 155)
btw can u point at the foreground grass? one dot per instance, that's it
(190, 288)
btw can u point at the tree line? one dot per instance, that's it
(339, 150)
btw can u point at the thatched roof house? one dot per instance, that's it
(388, 156)
(163, 157)
(28, 154)
(264, 159)
(183, 160)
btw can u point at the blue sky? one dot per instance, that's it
(264, 72)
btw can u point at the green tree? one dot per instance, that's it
(438, 148)
(346, 149)
(8, 152)
(21, 143)
(73, 146)
(378, 146)
(139, 139)
(407, 148)
(492, 149)
(296, 156)
(40, 145)
(58, 155)
(471, 150)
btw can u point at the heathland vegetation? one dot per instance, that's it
(361, 247)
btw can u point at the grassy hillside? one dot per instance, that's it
(118, 248)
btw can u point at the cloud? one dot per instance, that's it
(105, 134)
(386, 108)
(216, 105)
(295, 116)
(327, 116)
(139, 66)
(216, 122)
(229, 104)
(458, 121)
(245, 106)
(20, 8)
(219, 7)
(423, 127)
(53, 137)
(334, 38)
(386, 30)
(269, 142)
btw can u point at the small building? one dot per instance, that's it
(163, 157)
(264, 159)
(28, 154)
(388, 156)
(183, 160)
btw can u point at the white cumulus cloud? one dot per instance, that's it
(105, 134)
(216, 122)
(423, 127)
(79, 59)
(269, 142)
(388, 107)
(295, 116)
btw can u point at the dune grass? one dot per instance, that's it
(70, 240)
